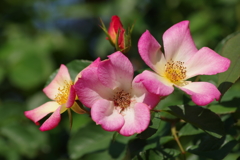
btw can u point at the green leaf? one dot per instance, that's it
(134, 147)
(230, 101)
(25, 139)
(100, 155)
(157, 154)
(152, 128)
(79, 121)
(188, 130)
(11, 115)
(150, 154)
(91, 138)
(2, 73)
(159, 138)
(77, 66)
(209, 78)
(232, 93)
(223, 109)
(165, 139)
(229, 48)
(30, 70)
(176, 98)
(200, 117)
(214, 148)
(117, 148)
(138, 146)
(7, 151)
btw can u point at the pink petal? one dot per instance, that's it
(150, 51)
(137, 119)
(202, 93)
(71, 97)
(93, 64)
(117, 72)
(52, 89)
(142, 95)
(155, 84)
(104, 113)
(52, 121)
(206, 62)
(178, 43)
(89, 89)
(38, 113)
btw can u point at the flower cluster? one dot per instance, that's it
(120, 102)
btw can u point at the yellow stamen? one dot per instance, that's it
(63, 93)
(175, 71)
(122, 99)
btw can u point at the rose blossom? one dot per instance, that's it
(117, 102)
(180, 61)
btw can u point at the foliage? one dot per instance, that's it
(38, 36)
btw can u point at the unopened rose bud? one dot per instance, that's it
(117, 35)
(116, 30)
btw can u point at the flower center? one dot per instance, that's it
(122, 99)
(175, 71)
(63, 92)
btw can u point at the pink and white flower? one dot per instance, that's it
(180, 61)
(117, 102)
(62, 93)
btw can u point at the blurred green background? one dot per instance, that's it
(37, 36)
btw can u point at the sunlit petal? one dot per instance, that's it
(150, 51)
(117, 72)
(52, 121)
(71, 97)
(141, 94)
(206, 62)
(38, 113)
(202, 93)
(178, 43)
(59, 81)
(137, 119)
(89, 89)
(155, 84)
(104, 113)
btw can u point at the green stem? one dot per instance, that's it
(174, 133)
(70, 117)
